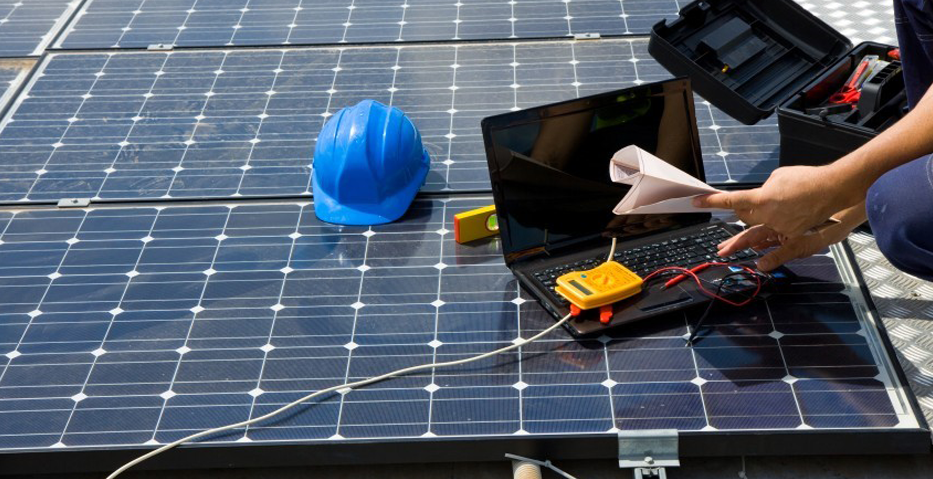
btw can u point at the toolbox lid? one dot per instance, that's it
(747, 56)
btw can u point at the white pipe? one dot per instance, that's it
(525, 470)
(519, 461)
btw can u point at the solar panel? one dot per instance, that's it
(132, 326)
(117, 23)
(243, 122)
(12, 74)
(27, 26)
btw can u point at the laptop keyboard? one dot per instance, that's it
(686, 251)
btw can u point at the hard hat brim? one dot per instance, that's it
(390, 209)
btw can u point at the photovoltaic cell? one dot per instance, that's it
(12, 74)
(243, 122)
(140, 23)
(139, 325)
(27, 26)
(7, 78)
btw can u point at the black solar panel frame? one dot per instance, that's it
(400, 451)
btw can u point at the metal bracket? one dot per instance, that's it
(74, 202)
(649, 452)
(161, 47)
(586, 36)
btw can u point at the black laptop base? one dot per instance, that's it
(684, 247)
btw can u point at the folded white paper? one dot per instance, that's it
(657, 186)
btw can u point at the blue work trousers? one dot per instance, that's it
(900, 203)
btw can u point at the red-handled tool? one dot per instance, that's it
(852, 90)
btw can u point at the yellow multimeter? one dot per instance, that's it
(606, 284)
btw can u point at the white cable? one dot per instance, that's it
(612, 251)
(364, 382)
(546, 464)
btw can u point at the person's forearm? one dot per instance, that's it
(908, 139)
(853, 216)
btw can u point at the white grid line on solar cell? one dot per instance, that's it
(243, 122)
(116, 318)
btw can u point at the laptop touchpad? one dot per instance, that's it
(663, 299)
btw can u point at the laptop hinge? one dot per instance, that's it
(648, 453)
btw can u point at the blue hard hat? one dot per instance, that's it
(369, 163)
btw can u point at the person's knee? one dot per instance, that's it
(901, 219)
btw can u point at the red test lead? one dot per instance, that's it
(696, 269)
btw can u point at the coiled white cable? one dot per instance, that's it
(363, 382)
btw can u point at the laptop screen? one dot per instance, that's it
(549, 165)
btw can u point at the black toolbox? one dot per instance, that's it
(752, 57)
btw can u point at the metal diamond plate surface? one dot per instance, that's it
(906, 306)
(860, 20)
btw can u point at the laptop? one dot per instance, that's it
(549, 168)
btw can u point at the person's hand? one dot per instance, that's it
(763, 237)
(794, 200)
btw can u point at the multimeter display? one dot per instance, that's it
(608, 283)
(579, 286)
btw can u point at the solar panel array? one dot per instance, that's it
(120, 23)
(243, 122)
(27, 26)
(140, 325)
(130, 326)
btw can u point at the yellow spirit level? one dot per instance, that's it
(608, 283)
(476, 224)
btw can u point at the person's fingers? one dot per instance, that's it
(733, 200)
(721, 248)
(778, 257)
(763, 244)
(757, 237)
(740, 241)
